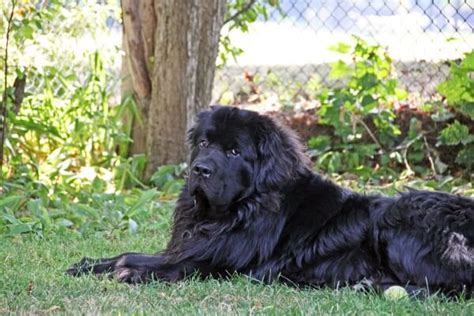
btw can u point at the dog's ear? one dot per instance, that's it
(281, 156)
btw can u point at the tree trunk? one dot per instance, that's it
(138, 22)
(171, 49)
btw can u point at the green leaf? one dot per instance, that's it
(30, 124)
(164, 174)
(401, 94)
(85, 210)
(339, 69)
(466, 156)
(19, 229)
(10, 218)
(37, 209)
(342, 48)
(454, 134)
(27, 31)
(11, 201)
(320, 143)
(467, 109)
(145, 197)
(173, 187)
(459, 88)
(368, 103)
(452, 90)
(468, 62)
(368, 81)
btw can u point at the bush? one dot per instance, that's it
(66, 146)
(361, 113)
(459, 93)
(374, 137)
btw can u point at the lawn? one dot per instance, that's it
(32, 280)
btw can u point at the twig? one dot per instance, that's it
(241, 11)
(370, 133)
(405, 153)
(430, 158)
(5, 93)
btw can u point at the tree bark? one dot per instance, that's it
(171, 49)
(138, 45)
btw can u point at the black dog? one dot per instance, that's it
(252, 205)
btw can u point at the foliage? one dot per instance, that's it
(85, 203)
(364, 114)
(65, 172)
(68, 124)
(455, 133)
(169, 178)
(459, 93)
(459, 88)
(362, 106)
(66, 143)
(67, 110)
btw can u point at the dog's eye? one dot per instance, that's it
(233, 152)
(203, 143)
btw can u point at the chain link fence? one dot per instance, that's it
(289, 51)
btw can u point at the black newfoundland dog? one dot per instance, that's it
(252, 205)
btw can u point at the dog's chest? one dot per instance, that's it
(248, 243)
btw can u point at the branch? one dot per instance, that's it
(430, 158)
(3, 127)
(247, 7)
(371, 134)
(405, 152)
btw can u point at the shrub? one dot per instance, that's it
(365, 111)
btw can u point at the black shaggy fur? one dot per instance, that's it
(252, 205)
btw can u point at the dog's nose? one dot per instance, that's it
(202, 169)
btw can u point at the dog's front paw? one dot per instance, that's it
(86, 265)
(89, 265)
(131, 275)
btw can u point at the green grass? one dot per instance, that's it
(32, 280)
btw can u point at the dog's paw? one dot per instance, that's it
(84, 266)
(89, 265)
(131, 275)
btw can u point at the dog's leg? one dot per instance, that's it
(140, 268)
(95, 266)
(269, 271)
(135, 268)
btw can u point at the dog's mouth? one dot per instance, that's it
(197, 188)
(200, 198)
(205, 203)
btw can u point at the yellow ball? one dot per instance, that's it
(395, 293)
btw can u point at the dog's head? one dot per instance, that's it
(237, 153)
